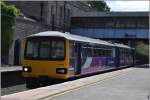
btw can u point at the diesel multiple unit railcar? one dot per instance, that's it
(56, 55)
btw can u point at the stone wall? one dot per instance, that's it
(42, 16)
(55, 13)
(24, 27)
(30, 9)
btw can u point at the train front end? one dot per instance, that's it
(46, 57)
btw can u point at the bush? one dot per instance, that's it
(8, 17)
(142, 52)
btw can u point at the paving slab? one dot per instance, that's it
(50, 91)
(134, 85)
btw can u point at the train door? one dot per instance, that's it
(75, 58)
(117, 58)
(133, 56)
(78, 59)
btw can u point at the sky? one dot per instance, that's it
(120, 5)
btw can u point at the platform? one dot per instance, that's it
(131, 80)
(10, 68)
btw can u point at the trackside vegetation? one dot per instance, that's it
(142, 52)
(8, 20)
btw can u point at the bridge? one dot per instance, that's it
(112, 25)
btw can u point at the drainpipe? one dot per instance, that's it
(64, 29)
(42, 5)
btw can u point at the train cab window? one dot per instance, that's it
(32, 49)
(44, 49)
(58, 49)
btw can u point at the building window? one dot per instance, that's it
(142, 23)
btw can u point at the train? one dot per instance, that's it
(61, 56)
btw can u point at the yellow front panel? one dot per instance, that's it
(47, 68)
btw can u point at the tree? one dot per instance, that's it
(142, 52)
(8, 17)
(99, 5)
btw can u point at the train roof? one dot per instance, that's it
(79, 38)
(122, 46)
(72, 37)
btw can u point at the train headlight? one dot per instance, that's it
(27, 69)
(61, 71)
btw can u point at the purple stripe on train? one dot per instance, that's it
(93, 64)
(99, 64)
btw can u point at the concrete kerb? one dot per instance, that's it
(9, 69)
(54, 90)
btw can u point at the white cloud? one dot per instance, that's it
(128, 5)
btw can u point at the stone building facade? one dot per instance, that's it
(38, 16)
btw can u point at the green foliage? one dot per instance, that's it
(11, 10)
(8, 17)
(99, 5)
(142, 52)
(142, 49)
